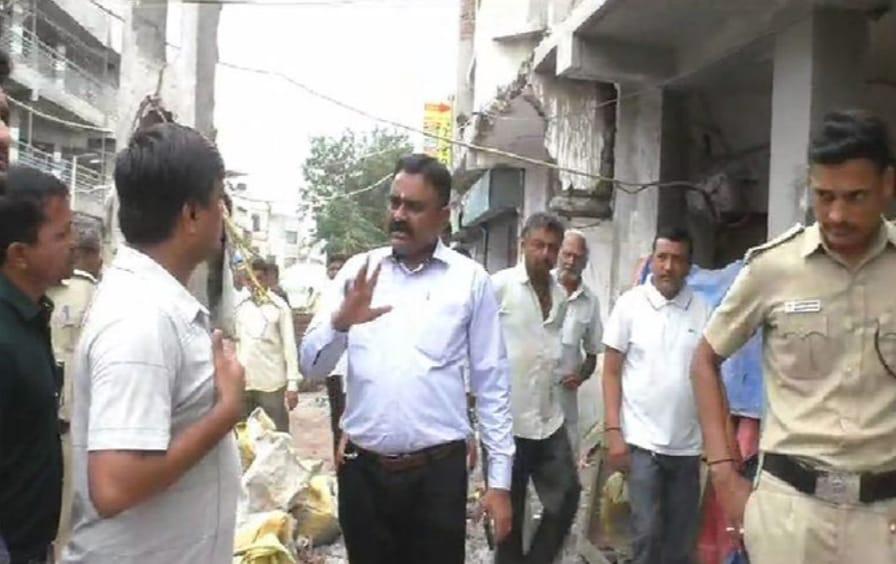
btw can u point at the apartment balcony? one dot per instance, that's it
(88, 187)
(45, 70)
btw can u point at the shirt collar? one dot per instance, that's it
(657, 300)
(78, 273)
(577, 293)
(813, 240)
(441, 253)
(20, 302)
(144, 266)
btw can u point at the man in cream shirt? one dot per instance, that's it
(266, 347)
(533, 306)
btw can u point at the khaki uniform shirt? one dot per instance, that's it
(829, 395)
(71, 299)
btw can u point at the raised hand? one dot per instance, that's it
(230, 377)
(355, 308)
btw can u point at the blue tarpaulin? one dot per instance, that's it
(742, 373)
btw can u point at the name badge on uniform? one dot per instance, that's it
(802, 306)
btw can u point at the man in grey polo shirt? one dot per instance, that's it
(156, 396)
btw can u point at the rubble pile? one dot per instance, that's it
(287, 505)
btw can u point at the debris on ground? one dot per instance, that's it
(287, 504)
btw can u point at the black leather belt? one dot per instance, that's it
(411, 460)
(832, 486)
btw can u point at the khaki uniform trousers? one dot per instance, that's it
(785, 526)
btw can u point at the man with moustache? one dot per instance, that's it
(582, 329)
(410, 316)
(36, 252)
(651, 431)
(533, 306)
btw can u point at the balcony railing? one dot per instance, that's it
(28, 50)
(89, 184)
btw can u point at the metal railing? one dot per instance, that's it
(28, 50)
(88, 183)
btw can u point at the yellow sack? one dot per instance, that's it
(247, 451)
(263, 539)
(315, 512)
(614, 508)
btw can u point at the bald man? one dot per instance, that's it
(582, 329)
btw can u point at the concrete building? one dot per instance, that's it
(718, 97)
(81, 71)
(271, 227)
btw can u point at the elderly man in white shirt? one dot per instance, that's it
(408, 329)
(652, 430)
(156, 395)
(533, 307)
(266, 347)
(582, 329)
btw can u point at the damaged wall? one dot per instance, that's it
(580, 127)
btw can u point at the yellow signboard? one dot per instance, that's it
(437, 120)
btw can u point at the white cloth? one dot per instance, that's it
(658, 338)
(582, 329)
(143, 374)
(404, 383)
(266, 344)
(534, 351)
(582, 334)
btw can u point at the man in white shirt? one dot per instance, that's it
(582, 329)
(652, 431)
(533, 306)
(266, 347)
(408, 329)
(156, 395)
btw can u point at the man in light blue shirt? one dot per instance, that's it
(409, 328)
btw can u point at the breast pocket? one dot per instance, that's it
(439, 336)
(573, 331)
(802, 345)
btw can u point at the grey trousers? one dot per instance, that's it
(273, 403)
(664, 494)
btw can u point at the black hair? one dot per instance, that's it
(433, 171)
(676, 235)
(851, 134)
(261, 265)
(543, 220)
(336, 257)
(24, 192)
(5, 66)
(163, 168)
(273, 268)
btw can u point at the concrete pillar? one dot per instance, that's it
(818, 67)
(17, 29)
(650, 132)
(60, 65)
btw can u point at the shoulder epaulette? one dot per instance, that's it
(772, 243)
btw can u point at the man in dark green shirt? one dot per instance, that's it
(36, 251)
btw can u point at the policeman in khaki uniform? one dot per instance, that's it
(823, 297)
(70, 300)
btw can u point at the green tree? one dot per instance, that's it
(346, 187)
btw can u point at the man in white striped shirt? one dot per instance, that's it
(408, 329)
